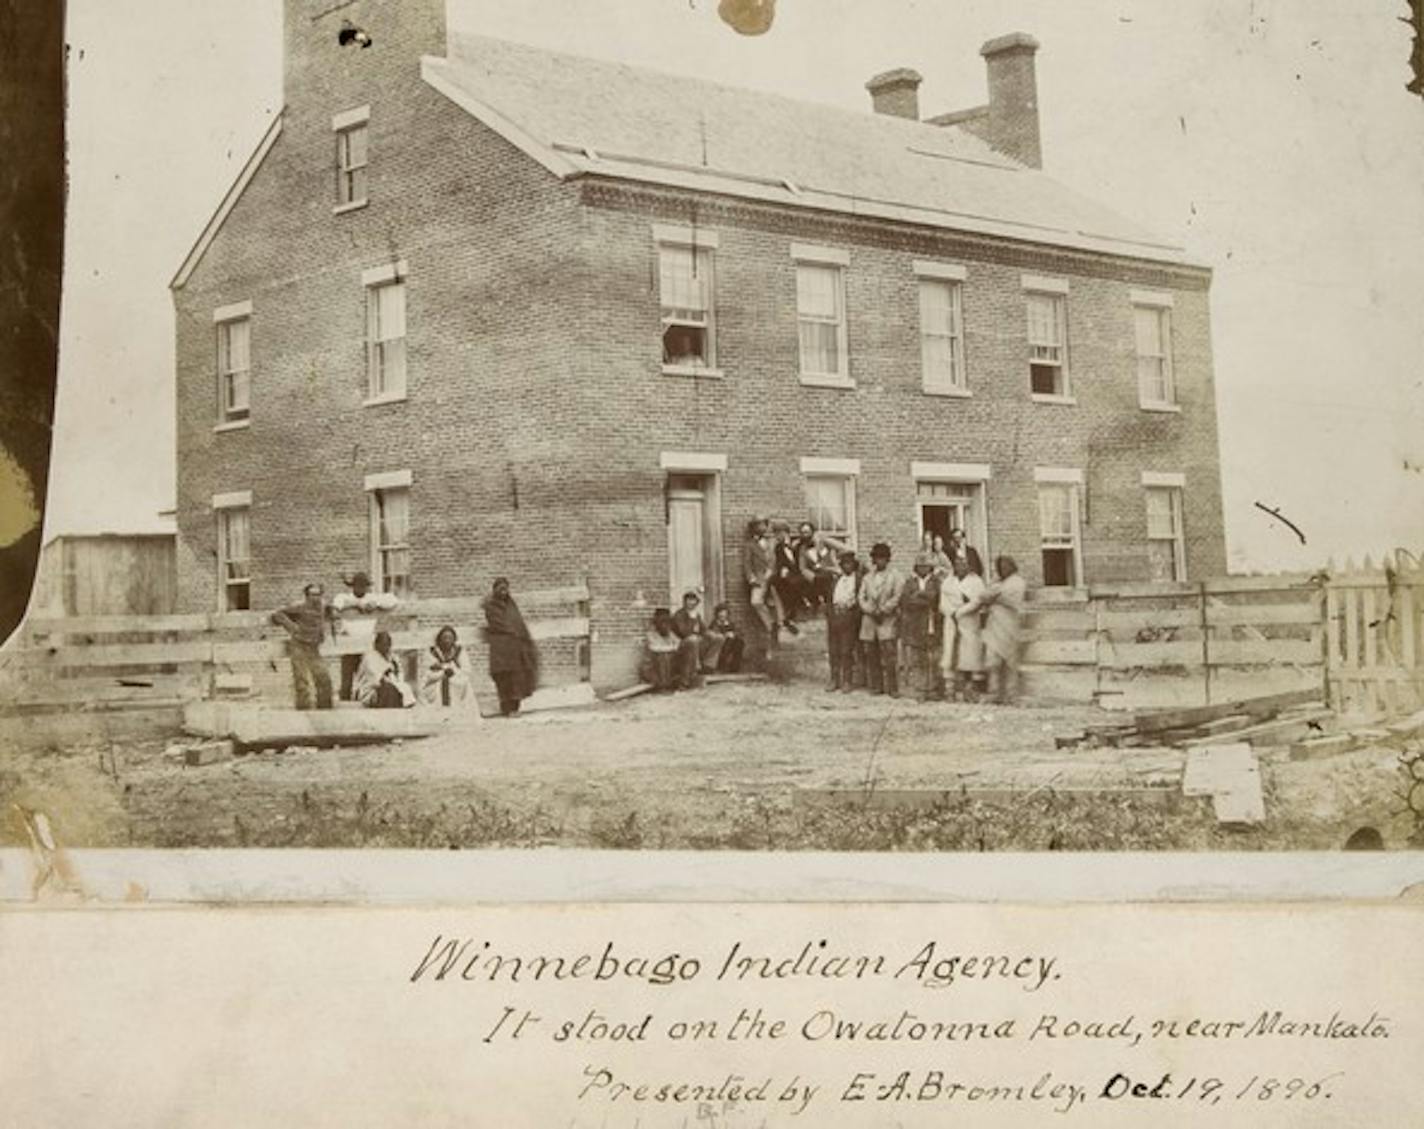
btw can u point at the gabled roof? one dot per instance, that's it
(229, 201)
(579, 116)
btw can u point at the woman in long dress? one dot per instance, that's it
(446, 680)
(379, 684)
(963, 660)
(513, 657)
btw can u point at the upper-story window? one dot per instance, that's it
(234, 359)
(687, 296)
(942, 328)
(1047, 302)
(821, 313)
(352, 156)
(1152, 322)
(385, 333)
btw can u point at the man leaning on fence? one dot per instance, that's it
(305, 624)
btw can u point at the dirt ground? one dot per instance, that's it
(746, 766)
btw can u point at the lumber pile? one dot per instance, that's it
(1271, 719)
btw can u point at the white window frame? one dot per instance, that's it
(843, 471)
(344, 126)
(378, 486)
(224, 321)
(1070, 480)
(1053, 290)
(977, 475)
(377, 281)
(1175, 487)
(224, 507)
(703, 246)
(1160, 305)
(836, 260)
(943, 278)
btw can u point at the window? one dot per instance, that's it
(234, 369)
(234, 559)
(1166, 546)
(942, 336)
(686, 289)
(1048, 344)
(830, 503)
(1058, 528)
(820, 319)
(352, 148)
(1154, 356)
(385, 340)
(390, 539)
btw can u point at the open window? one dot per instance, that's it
(686, 295)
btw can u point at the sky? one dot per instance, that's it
(1274, 139)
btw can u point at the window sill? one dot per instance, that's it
(233, 425)
(354, 206)
(950, 393)
(1044, 398)
(693, 371)
(818, 380)
(376, 401)
(1161, 407)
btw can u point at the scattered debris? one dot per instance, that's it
(208, 752)
(1202, 724)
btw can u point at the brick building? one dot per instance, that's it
(476, 308)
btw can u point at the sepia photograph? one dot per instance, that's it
(683, 425)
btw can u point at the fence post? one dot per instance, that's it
(1206, 642)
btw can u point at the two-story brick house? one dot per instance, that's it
(475, 308)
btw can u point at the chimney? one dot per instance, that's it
(896, 93)
(1012, 126)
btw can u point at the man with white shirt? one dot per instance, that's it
(355, 621)
(843, 623)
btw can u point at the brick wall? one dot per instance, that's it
(537, 407)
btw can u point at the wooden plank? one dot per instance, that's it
(1119, 623)
(1264, 706)
(1057, 619)
(1369, 657)
(123, 654)
(1408, 628)
(1352, 629)
(114, 624)
(628, 692)
(1275, 731)
(1229, 774)
(259, 726)
(1274, 652)
(1061, 652)
(1259, 615)
(1127, 656)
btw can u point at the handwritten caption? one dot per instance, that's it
(1019, 1011)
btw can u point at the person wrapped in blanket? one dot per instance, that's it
(379, 684)
(445, 680)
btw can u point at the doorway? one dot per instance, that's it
(946, 506)
(694, 521)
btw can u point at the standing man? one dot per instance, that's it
(919, 604)
(305, 624)
(356, 620)
(757, 566)
(879, 623)
(843, 623)
(1005, 601)
(513, 658)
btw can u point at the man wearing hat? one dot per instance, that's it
(843, 622)
(355, 623)
(919, 602)
(879, 623)
(758, 566)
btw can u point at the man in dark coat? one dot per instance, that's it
(513, 657)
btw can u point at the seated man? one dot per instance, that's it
(689, 626)
(378, 684)
(724, 643)
(666, 658)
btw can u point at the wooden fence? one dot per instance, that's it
(175, 658)
(1354, 633)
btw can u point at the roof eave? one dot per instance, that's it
(229, 201)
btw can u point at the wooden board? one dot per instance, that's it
(1156, 720)
(1230, 775)
(255, 726)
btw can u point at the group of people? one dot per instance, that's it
(944, 628)
(681, 647)
(375, 677)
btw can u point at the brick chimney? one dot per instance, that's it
(1012, 126)
(319, 70)
(896, 93)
